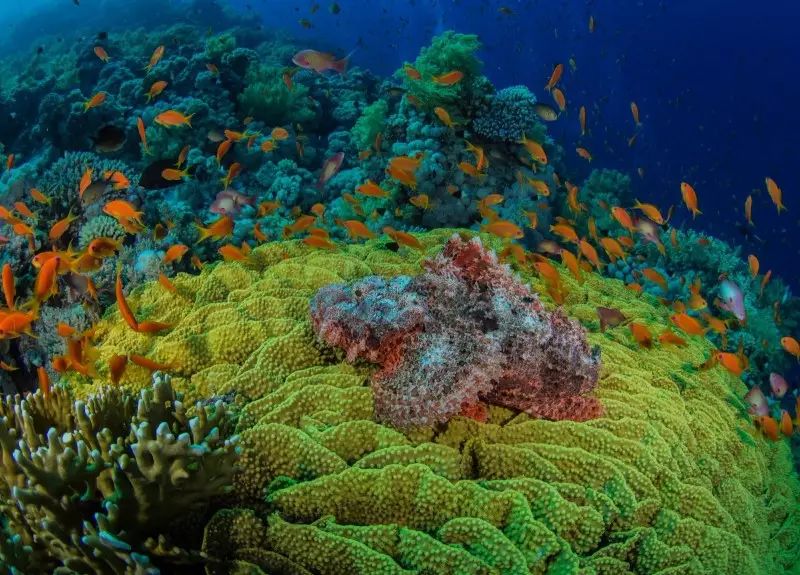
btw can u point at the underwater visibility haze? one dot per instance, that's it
(398, 287)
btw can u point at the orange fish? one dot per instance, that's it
(635, 114)
(533, 219)
(230, 252)
(656, 277)
(411, 72)
(9, 286)
(768, 426)
(46, 284)
(44, 381)
(765, 281)
(318, 241)
(148, 364)
(569, 260)
(95, 101)
(612, 248)
(584, 153)
(287, 78)
(356, 229)
(403, 238)
(421, 201)
(590, 253)
(748, 209)
(174, 253)
(116, 367)
(300, 224)
(39, 197)
(689, 198)
(142, 134)
(775, 193)
(155, 89)
(101, 53)
(448, 79)
(582, 118)
(786, 423)
(792, 346)
(259, 235)
(221, 228)
(173, 118)
(752, 261)
(651, 211)
(266, 208)
(211, 67)
(370, 188)
(124, 309)
(158, 53)
(182, 156)
(120, 181)
(671, 338)
(641, 334)
(24, 210)
(731, 362)
(535, 149)
(173, 175)
(60, 227)
(86, 181)
(688, 324)
(504, 229)
(444, 116)
(623, 217)
(267, 146)
(555, 76)
(559, 98)
(565, 231)
(103, 247)
(123, 211)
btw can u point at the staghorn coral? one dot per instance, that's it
(97, 486)
(463, 330)
(661, 482)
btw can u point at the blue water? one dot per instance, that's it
(713, 81)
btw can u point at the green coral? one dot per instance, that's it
(219, 45)
(448, 52)
(103, 486)
(369, 124)
(268, 99)
(671, 479)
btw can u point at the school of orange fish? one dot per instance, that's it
(577, 254)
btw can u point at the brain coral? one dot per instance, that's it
(671, 479)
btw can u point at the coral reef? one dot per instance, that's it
(108, 485)
(663, 480)
(464, 330)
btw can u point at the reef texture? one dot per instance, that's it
(670, 479)
(465, 328)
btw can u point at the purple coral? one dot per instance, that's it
(465, 330)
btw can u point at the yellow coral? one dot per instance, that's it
(662, 482)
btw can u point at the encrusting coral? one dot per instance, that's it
(661, 482)
(466, 328)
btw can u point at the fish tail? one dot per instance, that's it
(204, 233)
(189, 120)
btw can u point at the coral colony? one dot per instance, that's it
(265, 312)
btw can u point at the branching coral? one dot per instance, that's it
(466, 329)
(101, 485)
